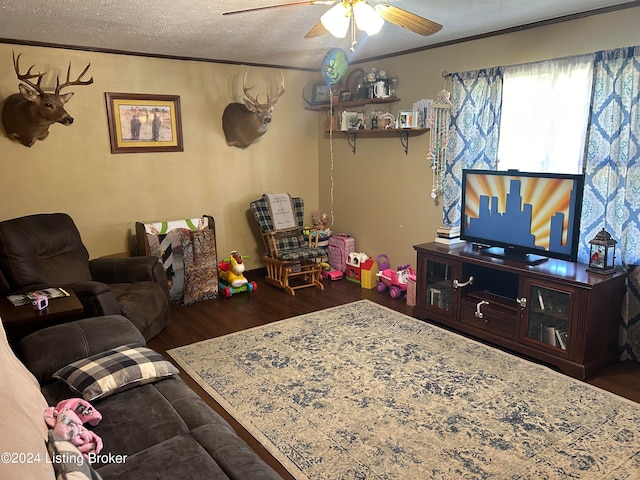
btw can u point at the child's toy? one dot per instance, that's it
(231, 275)
(329, 273)
(395, 280)
(67, 421)
(323, 236)
(320, 220)
(368, 273)
(340, 246)
(354, 262)
(383, 262)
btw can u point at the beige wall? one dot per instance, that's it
(74, 171)
(381, 196)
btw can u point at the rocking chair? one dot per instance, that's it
(292, 262)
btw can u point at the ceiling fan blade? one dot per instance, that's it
(317, 30)
(291, 4)
(407, 20)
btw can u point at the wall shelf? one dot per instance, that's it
(352, 135)
(351, 104)
(402, 133)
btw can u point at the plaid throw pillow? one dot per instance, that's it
(115, 370)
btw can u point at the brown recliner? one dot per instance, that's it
(45, 250)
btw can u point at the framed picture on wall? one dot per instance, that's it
(320, 94)
(141, 123)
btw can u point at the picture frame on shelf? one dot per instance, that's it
(320, 94)
(143, 123)
(407, 119)
(352, 121)
(345, 96)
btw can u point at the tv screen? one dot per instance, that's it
(524, 215)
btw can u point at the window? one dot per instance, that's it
(545, 112)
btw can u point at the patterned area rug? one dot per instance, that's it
(363, 392)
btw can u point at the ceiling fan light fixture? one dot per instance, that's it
(367, 18)
(336, 20)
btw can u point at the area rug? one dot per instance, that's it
(363, 392)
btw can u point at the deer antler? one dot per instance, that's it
(271, 102)
(279, 91)
(26, 77)
(253, 100)
(78, 81)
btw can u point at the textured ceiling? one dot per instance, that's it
(197, 29)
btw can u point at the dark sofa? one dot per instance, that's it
(46, 250)
(164, 429)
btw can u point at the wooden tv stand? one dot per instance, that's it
(555, 312)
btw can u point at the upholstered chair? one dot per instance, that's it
(292, 262)
(45, 250)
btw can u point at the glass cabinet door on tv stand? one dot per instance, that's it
(439, 289)
(547, 318)
(437, 293)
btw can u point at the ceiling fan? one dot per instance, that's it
(357, 13)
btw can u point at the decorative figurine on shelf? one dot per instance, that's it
(602, 253)
(386, 121)
(231, 275)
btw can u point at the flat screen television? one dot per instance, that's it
(524, 216)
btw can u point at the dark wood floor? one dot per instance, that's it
(267, 304)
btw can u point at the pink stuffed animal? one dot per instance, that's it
(67, 420)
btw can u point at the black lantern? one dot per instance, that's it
(602, 253)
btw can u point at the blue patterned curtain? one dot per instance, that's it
(612, 181)
(473, 138)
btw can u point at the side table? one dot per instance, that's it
(20, 321)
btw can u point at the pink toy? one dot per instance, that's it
(394, 280)
(383, 262)
(67, 419)
(332, 274)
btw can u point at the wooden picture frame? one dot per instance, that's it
(321, 94)
(345, 96)
(140, 123)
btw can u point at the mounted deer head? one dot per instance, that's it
(26, 116)
(244, 124)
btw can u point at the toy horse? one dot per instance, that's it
(233, 274)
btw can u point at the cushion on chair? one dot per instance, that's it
(143, 303)
(262, 213)
(290, 239)
(42, 249)
(115, 370)
(304, 253)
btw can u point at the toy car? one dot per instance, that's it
(330, 273)
(394, 280)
